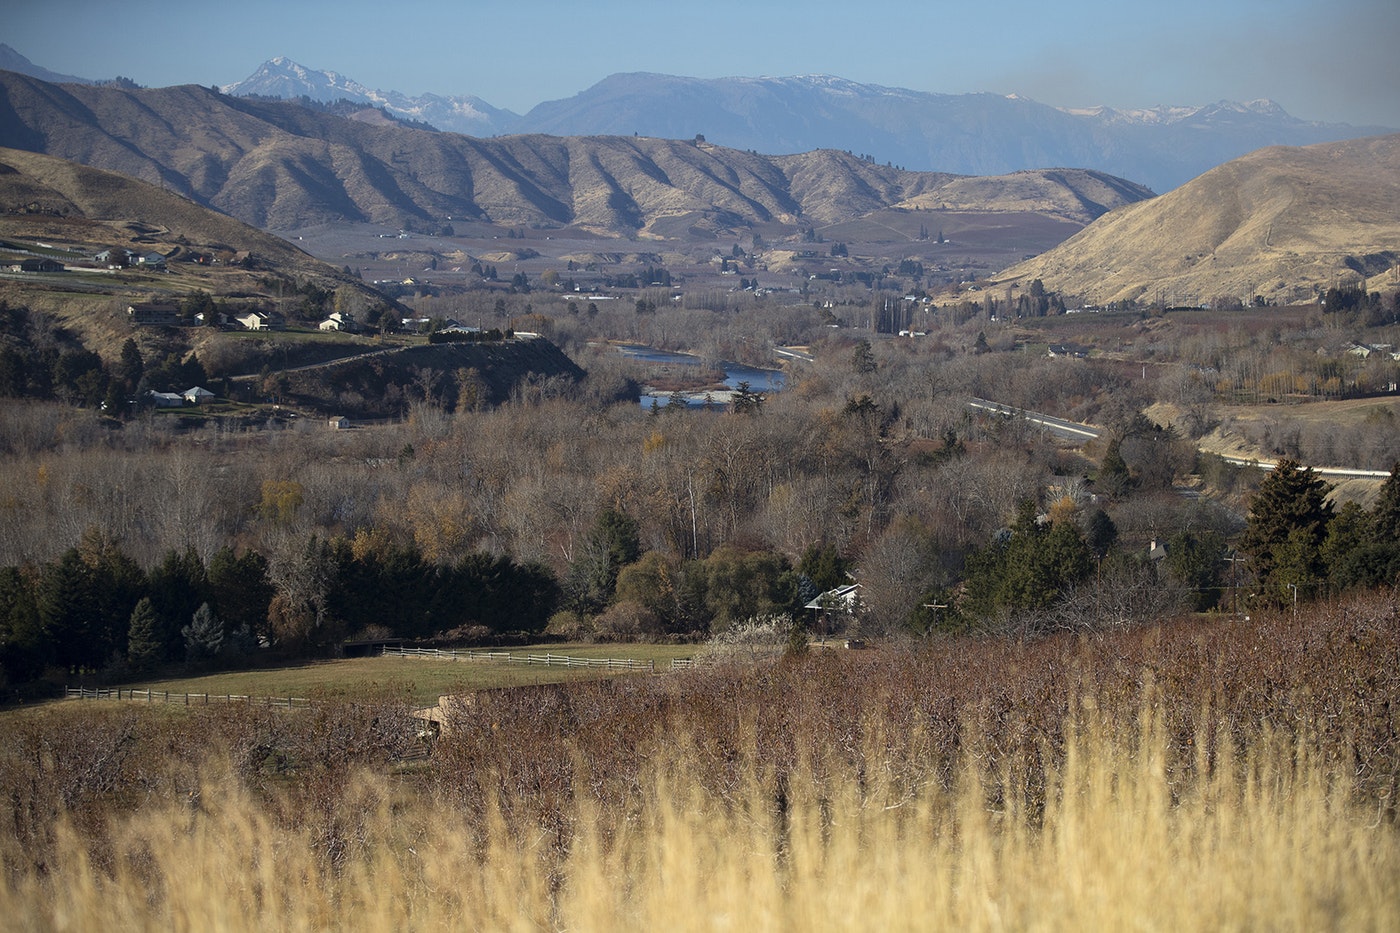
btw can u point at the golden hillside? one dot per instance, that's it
(42, 195)
(73, 212)
(1278, 223)
(281, 167)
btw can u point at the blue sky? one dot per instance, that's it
(1337, 61)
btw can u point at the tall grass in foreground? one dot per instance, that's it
(1116, 832)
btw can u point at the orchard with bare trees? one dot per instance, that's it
(571, 509)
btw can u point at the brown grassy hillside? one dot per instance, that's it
(72, 212)
(281, 167)
(1278, 222)
(39, 193)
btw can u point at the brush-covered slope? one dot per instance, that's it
(39, 191)
(283, 167)
(1277, 223)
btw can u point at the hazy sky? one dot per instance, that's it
(1330, 60)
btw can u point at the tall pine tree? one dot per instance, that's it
(144, 647)
(1288, 519)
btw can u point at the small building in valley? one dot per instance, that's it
(341, 322)
(259, 320)
(154, 313)
(166, 399)
(37, 265)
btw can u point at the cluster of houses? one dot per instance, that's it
(17, 258)
(196, 395)
(167, 314)
(1366, 350)
(123, 259)
(111, 259)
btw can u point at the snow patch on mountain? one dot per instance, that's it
(281, 77)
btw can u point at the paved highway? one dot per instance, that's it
(1073, 430)
(1059, 426)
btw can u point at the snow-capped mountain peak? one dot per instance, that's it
(282, 77)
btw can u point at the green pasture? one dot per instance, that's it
(422, 680)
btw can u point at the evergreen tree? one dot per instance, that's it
(239, 589)
(1114, 477)
(824, 566)
(1197, 560)
(1027, 568)
(204, 636)
(863, 358)
(1288, 519)
(746, 401)
(1100, 533)
(1385, 515)
(1363, 548)
(381, 583)
(144, 647)
(65, 612)
(613, 543)
(131, 367)
(115, 583)
(23, 651)
(84, 603)
(178, 585)
(496, 592)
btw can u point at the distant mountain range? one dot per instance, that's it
(285, 79)
(284, 167)
(10, 60)
(1276, 222)
(970, 134)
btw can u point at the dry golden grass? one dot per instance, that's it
(1197, 775)
(1274, 222)
(1120, 840)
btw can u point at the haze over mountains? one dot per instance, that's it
(10, 60)
(283, 167)
(285, 79)
(1278, 222)
(973, 134)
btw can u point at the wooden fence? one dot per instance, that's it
(444, 654)
(548, 660)
(182, 699)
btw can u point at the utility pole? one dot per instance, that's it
(1234, 561)
(935, 607)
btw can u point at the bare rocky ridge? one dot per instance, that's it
(283, 167)
(1277, 223)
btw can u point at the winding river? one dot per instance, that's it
(759, 380)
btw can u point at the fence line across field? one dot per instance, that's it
(446, 654)
(182, 699)
(549, 660)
